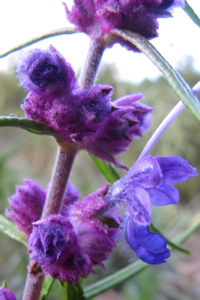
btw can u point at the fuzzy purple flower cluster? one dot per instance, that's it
(68, 245)
(86, 118)
(99, 17)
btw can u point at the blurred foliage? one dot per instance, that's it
(25, 155)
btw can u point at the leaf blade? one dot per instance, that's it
(176, 81)
(7, 227)
(53, 33)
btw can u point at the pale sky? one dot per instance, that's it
(23, 20)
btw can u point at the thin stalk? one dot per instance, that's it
(90, 68)
(60, 175)
(166, 123)
(64, 161)
(53, 33)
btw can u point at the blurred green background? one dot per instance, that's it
(25, 155)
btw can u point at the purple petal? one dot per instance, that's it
(149, 247)
(139, 206)
(175, 169)
(145, 173)
(163, 195)
(6, 294)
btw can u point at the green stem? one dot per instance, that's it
(191, 13)
(57, 32)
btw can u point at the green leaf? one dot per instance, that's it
(11, 230)
(191, 13)
(132, 269)
(106, 169)
(72, 292)
(176, 81)
(170, 243)
(29, 125)
(48, 283)
(57, 32)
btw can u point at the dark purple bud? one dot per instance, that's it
(53, 245)
(26, 205)
(137, 16)
(82, 14)
(101, 16)
(6, 294)
(46, 72)
(127, 120)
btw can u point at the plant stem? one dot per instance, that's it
(64, 161)
(166, 123)
(90, 68)
(60, 175)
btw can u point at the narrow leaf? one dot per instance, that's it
(12, 231)
(106, 169)
(29, 125)
(57, 32)
(131, 270)
(72, 292)
(191, 13)
(176, 81)
(48, 283)
(170, 243)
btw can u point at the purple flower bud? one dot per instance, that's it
(148, 183)
(54, 246)
(67, 246)
(46, 72)
(26, 205)
(6, 294)
(82, 15)
(129, 119)
(104, 15)
(86, 117)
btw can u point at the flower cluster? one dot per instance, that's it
(100, 17)
(86, 118)
(67, 245)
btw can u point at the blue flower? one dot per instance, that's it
(148, 183)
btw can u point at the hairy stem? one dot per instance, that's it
(166, 123)
(33, 289)
(60, 175)
(90, 68)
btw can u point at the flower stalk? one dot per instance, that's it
(166, 123)
(90, 68)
